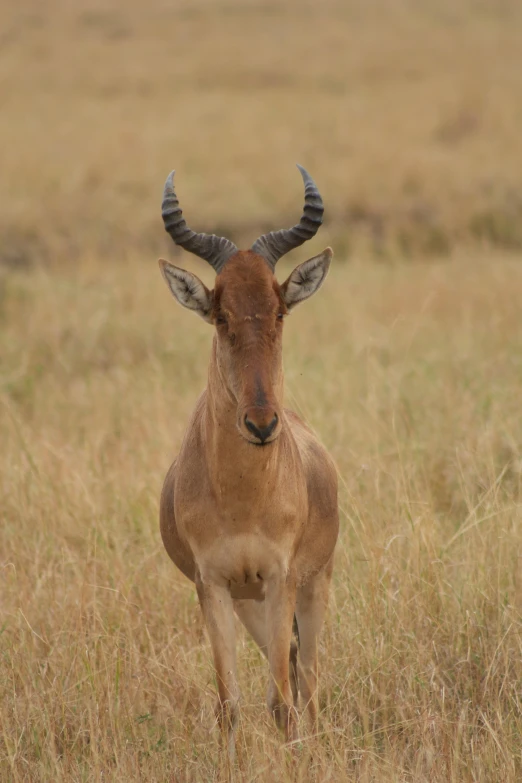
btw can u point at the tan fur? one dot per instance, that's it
(253, 526)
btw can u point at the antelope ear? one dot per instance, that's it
(188, 289)
(306, 278)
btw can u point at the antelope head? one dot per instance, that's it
(247, 306)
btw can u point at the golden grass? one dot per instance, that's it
(411, 374)
(408, 114)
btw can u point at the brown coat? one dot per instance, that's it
(249, 507)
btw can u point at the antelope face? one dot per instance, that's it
(247, 307)
(248, 312)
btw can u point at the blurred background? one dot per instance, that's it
(407, 113)
(407, 364)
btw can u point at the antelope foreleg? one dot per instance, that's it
(218, 612)
(253, 616)
(280, 606)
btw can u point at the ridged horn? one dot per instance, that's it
(274, 245)
(216, 250)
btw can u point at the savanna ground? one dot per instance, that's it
(408, 363)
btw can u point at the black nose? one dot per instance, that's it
(262, 433)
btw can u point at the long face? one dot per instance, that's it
(247, 308)
(248, 313)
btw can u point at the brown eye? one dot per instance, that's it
(221, 320)
(280, 316)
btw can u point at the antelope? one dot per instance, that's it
(249, 507)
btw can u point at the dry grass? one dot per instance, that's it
(412, 376)
(409, 115)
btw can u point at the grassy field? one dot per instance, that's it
(411, 374)
(408, 115)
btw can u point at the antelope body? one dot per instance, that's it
(249, 507)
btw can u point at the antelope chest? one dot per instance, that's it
(243, 535)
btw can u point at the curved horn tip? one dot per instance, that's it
(305, 175)
(169, 183)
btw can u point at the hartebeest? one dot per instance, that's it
(249, 507)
